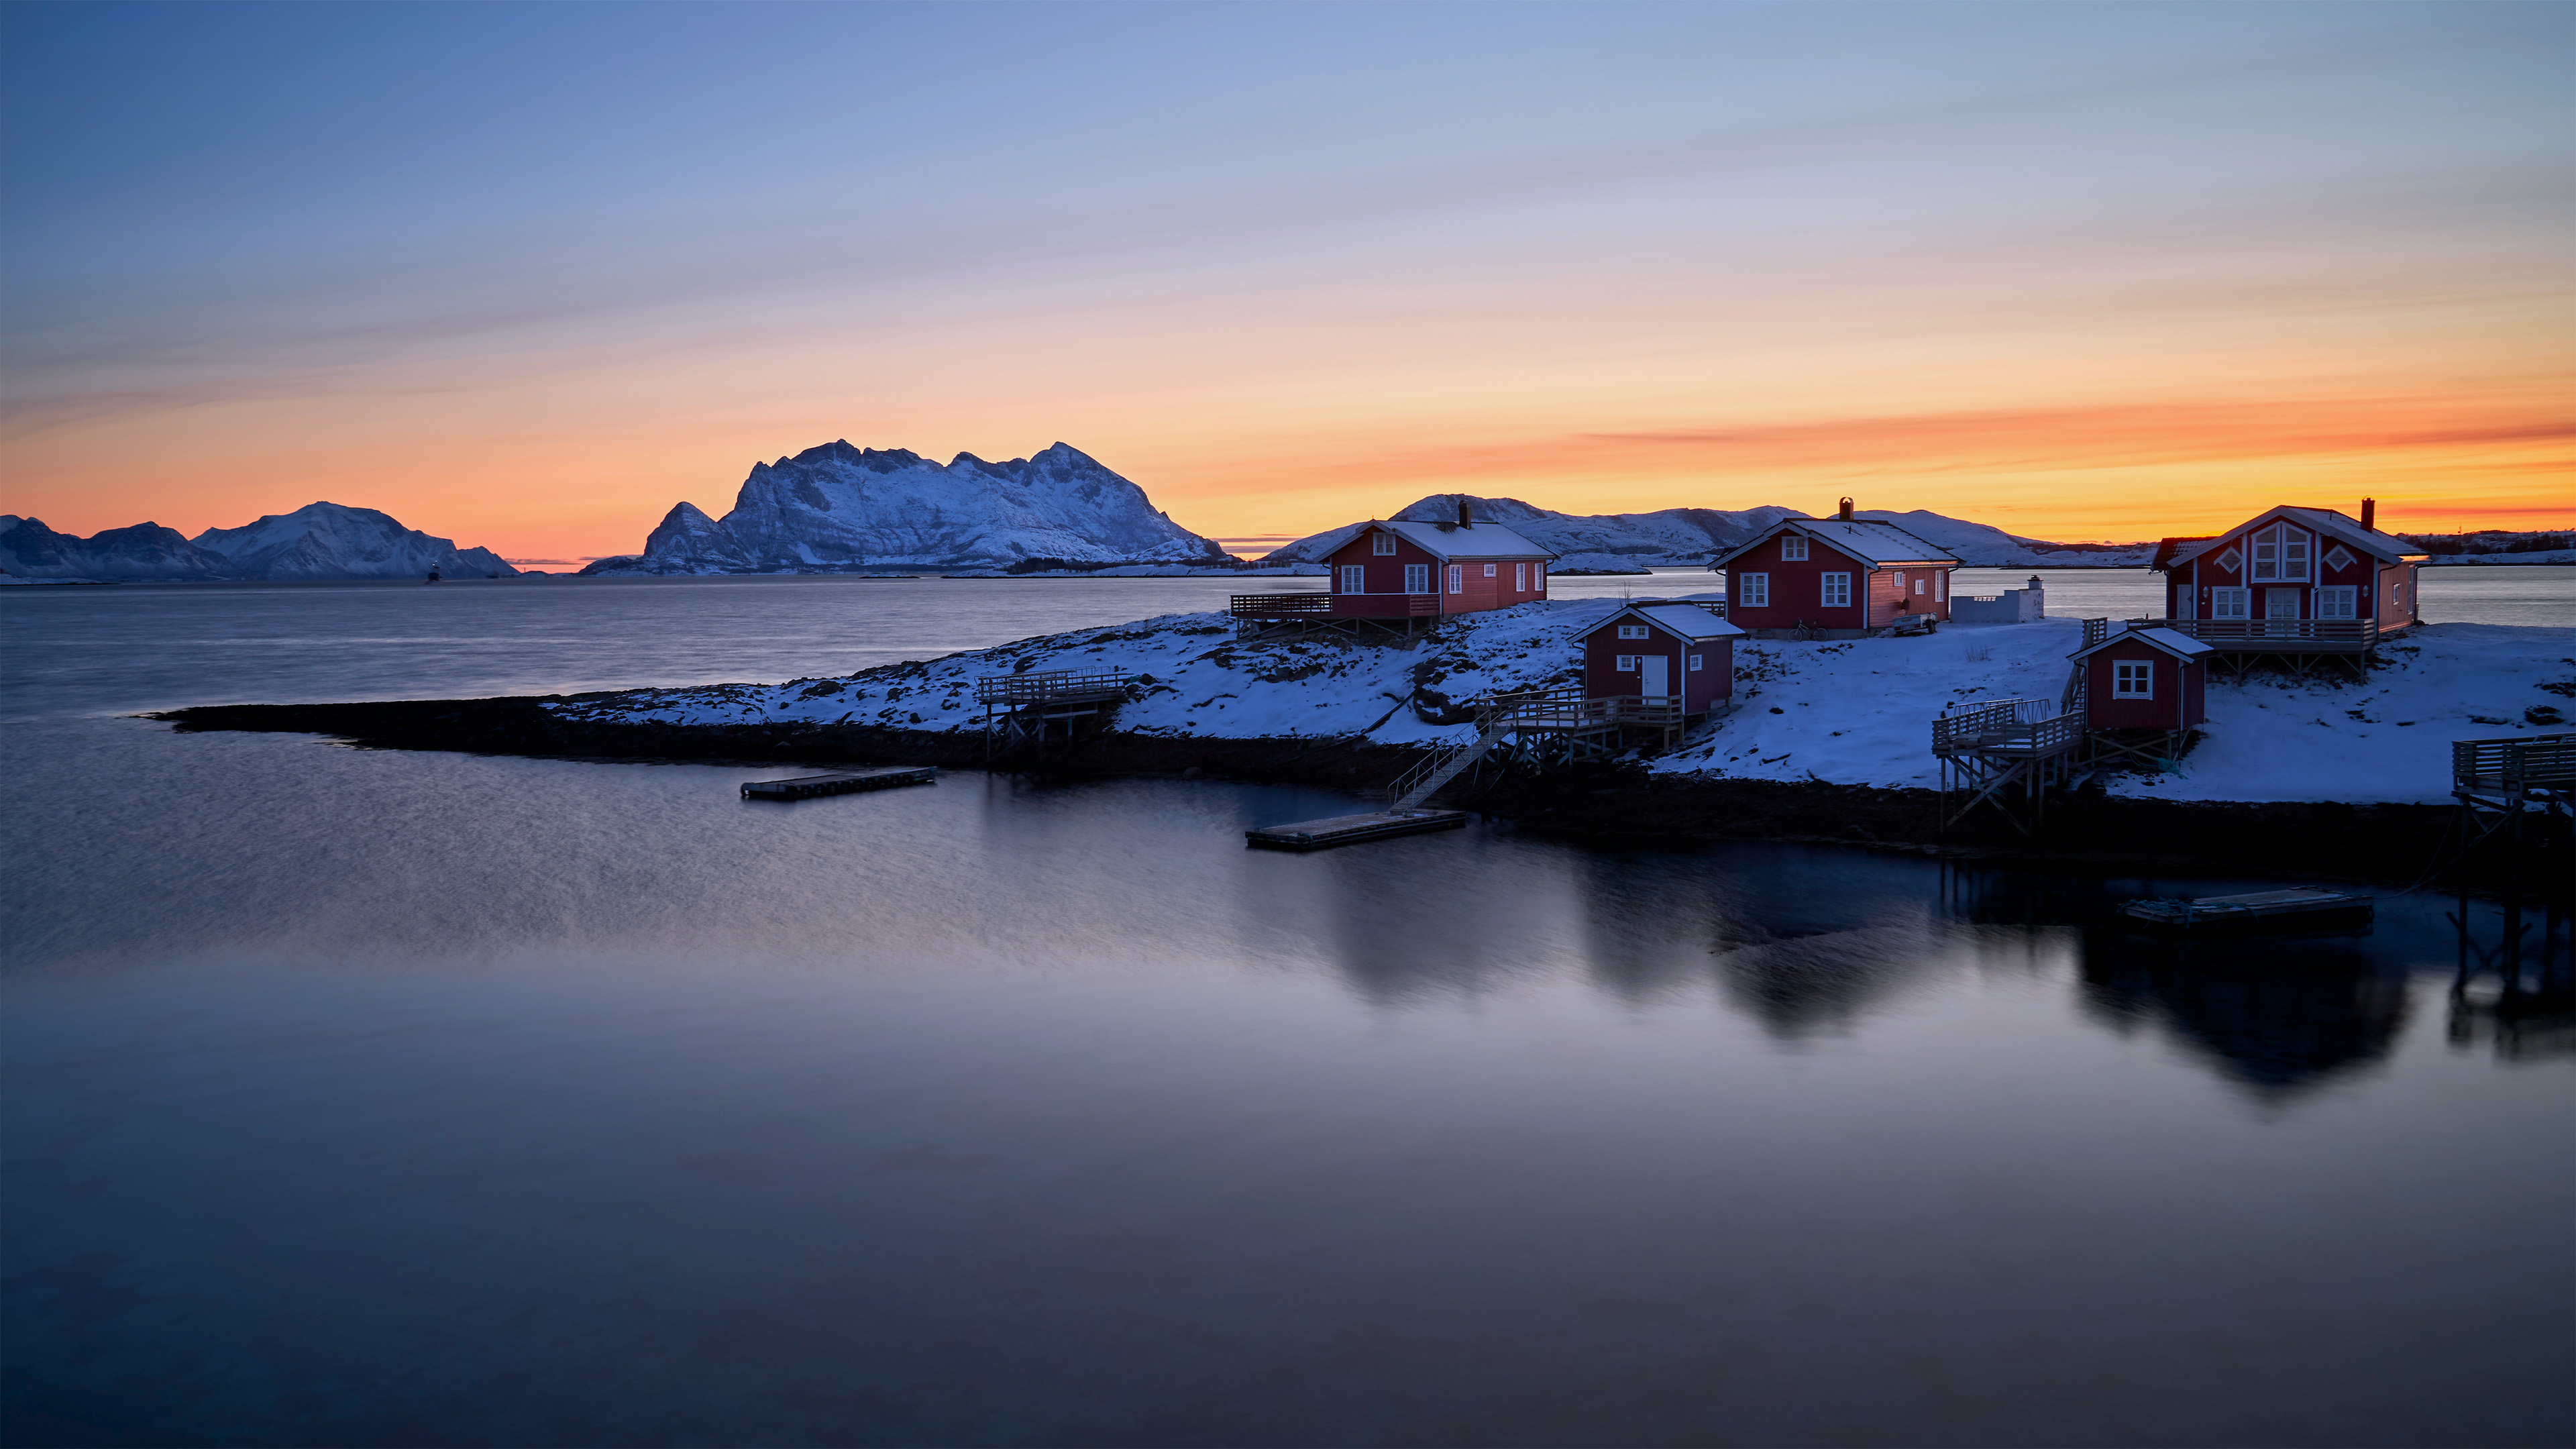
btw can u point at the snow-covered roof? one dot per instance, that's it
(1692, 622)
(1449, 543)
(1871, 542)
(2180, 646)
(2385, 547)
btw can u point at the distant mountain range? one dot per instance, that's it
(840, 509)
(317, 541)
(1692, 535)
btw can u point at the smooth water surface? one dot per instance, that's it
(365, 1097)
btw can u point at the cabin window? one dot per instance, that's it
(2231, 561)
(1417, 578)
(1753, 591)
(1627, 663)
(1489, 569)
(2338, 558)
(1940, 585)
(1695, 661)
(1383, 543)
(1457, 578)
(1355, 578)
(1632, 631)
(1918, 588)
(2280, 554)
(2229, 603)
(2335, 602)
(1520, 578)
(1836, 590)
(2133, 679)
(1900, 581)
(1793, 548)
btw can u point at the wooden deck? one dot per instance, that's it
(2296, 907)
(1352, 829)
(2275, 636)
(1319, 603)
(848, 782)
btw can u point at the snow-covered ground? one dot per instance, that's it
(1850, 712)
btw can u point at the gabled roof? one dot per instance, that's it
(1695, 623)
(2385, 547)
(1875, 544)
(2180, 646)
(1450, 543)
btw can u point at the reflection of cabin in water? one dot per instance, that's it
(2297, 584)
(1401, 575)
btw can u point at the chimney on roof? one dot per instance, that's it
(1846, 513)
(1463, 520)
(2369, 512)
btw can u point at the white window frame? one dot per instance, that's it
(1918, 588)
(1627, 664)
(1355, 578)
(1634, 631)
(1793, 548)
(1699, 661)
(1382, 544)
(2331, 596)
(1490, 568)
(2231, 602)
(1520, 578)
(1751, 591)
(1940, 585)
(1833, 590)
(2281, 541)
(1417, 578)
(1457, 578)
(2141, 671)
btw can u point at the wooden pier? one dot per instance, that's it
(848, 782)
(1352, 829)
(1026, 710)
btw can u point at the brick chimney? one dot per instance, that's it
(1463, 520)
(2369, 511)
(1846, 513)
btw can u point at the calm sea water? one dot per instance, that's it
(363, 1097)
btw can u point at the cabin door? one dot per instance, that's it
(2280, 604)
(1653, 680)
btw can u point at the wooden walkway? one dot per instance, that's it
(1352, 829)
(2296, 907)
(848, 782)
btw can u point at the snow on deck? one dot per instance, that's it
(1849, 712)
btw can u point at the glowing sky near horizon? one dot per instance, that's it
(526, 276)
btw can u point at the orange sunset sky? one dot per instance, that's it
(526, 277)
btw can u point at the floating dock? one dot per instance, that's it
(1352, 829)
(848, 782)
(2296, 907)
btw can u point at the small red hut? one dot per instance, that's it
(2144, 679)
(1657, 650)
(1838, 577)
(2286, 563)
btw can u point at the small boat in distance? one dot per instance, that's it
(2299, 907)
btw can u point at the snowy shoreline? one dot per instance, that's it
(1855, 712)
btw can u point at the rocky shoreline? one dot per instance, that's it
(2381, 844)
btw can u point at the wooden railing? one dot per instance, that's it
(2260, 634)
(1571, 709)
(1318, 604)
(2513, 766)
(1041, 688)
(2010, 726)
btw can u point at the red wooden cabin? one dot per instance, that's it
(1659, 650)
(1835, 577)
(1402, 574)
(2294, 564)
(2145, 679)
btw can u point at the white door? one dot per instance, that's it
(1652, 681)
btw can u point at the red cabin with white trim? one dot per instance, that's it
(2145, 679)
(1400, 569)
(2293, 563)
(1659, 650)
(1839, 576)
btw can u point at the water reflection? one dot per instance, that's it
(2273, 1017)
(2514, 988)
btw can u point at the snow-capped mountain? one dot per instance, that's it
(1691, 535)
(837, 507)
(330, 541)
(317, 541)
(30, 550)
